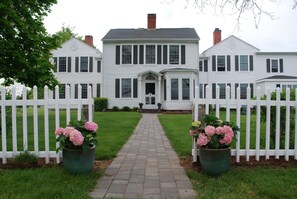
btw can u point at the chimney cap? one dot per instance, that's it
(217, 30)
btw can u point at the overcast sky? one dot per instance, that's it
(97, 17)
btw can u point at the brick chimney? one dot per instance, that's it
(89, 40)
(216, 36)
(151, 21)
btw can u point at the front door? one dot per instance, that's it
(150, 94)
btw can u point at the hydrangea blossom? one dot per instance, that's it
(76, 137)
(59, 131)
(91, 126)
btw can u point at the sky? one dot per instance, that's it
(97, 17)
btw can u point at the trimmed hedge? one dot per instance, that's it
(101, 104)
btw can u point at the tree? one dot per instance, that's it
(66, 33)
(25, 45)
(238, 8)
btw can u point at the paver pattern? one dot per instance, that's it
(146, 167)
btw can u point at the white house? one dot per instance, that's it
(150, 66)
(78, 63)
(235, 63)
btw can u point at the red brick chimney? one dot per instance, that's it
(216, 36)
(151, 21)
(89, 40)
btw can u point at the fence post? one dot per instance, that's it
(295, 124)
(258, 124)
(287, 136)
(238, 123)
(35, 118)
(57, 121)
(277, 130)
(46, 125)
(248, 123)
(3, 125)
(268, 108)
(14, 122)
(25, 122)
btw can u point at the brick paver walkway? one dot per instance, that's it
(146, 167)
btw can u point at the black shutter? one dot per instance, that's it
(236, 63)
(90, 64)
(135, 54)
(98, 90)
(76, 64)
(213, 91)
(117, 88)
(213, 63)
(281, 65)
(98, 66)
(236, 86)
(159, 54)
(228, 63)
(55, 64)
(69, 64)
(183, 54)
(268, 65)
(118, 51)
(205, 65)
(135, 88)
(165, 90)
(251, 63)
(164, 54)
(141, 51)
(252, 90)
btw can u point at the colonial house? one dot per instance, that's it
(235, 63)
(151, 66)
(76, 63)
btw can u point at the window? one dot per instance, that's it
(150, 54)
(200, 66)
(83, 64)
(126, 54)
(126, 88)
(186, 89)
(243, 91)
(222, 91)
(221, 63)
(84, 91)
(274, 65)
(243, 64)
(174, 89)
(173, 54)
(62, 64)
(62, 91)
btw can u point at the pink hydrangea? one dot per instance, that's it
(68, 130)
(228, 131)
(76, 137)
(210, 130)
(59, 131)
(91, 126)
(202, 140)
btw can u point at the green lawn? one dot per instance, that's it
(54, 182)
(239, 182)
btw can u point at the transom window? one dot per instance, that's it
(174, 54)
(150, 54)
(221, 63)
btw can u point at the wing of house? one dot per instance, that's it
(235, 63)
(150, 66)
(78, 63)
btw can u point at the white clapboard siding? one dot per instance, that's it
(47, 104)
(256, 104)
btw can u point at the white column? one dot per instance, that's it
(139, 90)
(159, 96)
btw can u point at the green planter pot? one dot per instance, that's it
(215, 161)
(78, 161)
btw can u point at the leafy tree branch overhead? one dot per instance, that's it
(25, 45)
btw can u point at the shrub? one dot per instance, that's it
(135, 109)
(126, 108)
(101, 104)
(115, 109)
(25, 158)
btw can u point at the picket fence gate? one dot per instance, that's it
(47, 104)
(256, 104)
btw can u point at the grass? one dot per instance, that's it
(54, 182)
(239, 182)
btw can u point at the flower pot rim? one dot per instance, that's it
(214, 148)
(69, 149)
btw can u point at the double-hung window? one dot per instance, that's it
(126, 54)
(186, 89)
(150, 54)
(62, 64)
(221, 63)
(243, 63)
(173, 54)
(83, 64)
(174, 89)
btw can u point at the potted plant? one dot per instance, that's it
(214, 137)
(77, 143)
(140, 106)
(159, 107)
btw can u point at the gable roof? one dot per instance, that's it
(156, 34)
(228, 38)
(80, 41)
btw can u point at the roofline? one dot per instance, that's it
(179, 70)
(276, 53)
(153, 39)
(228, 38)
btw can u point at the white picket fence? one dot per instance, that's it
(57, 105)
(256, 104)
